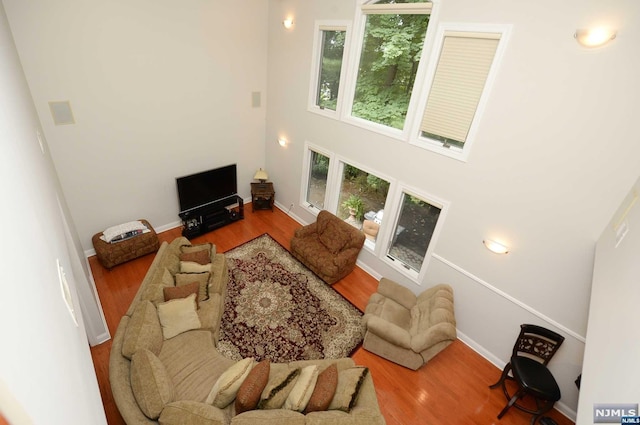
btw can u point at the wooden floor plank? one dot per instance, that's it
(451, 388)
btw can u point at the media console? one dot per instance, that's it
(200, 220)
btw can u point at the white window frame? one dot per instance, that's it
(360, 20)
(386, 236)
(306, 170)
(316, 62)
(437, 146)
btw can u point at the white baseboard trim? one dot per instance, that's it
(508, 297)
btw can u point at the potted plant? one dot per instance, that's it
(355, 206)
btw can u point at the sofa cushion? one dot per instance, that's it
(195, 370)
(150, 383)
(143, 330)
(249, 393)
(349, 385)
(154, 289)
(177, 316)
(324, 390)
(334, 238)
(278, 388)
(226, 387)
(302, 390)
(203, 280)
(183, 291)
(193, 267)
(200, 257)
(192, 413)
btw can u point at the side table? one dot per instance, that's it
(262, 196)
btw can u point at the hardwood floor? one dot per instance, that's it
(452, 388)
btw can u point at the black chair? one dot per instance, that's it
(531, 354)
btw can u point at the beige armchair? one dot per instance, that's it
(407, 329)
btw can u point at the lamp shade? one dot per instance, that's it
(261, 175)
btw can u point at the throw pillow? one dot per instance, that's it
(209, 247)
(202, 279)
(192, 267)
(302, 390)
(151, 385)
(249, 393)
(278, 389)
(143, 330)
(334, 238)
(175, 292)
(349, 384)
(200, 257)
(177, 316)
(226, 388)
(324, 390)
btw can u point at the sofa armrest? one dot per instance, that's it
(396, 292)
(307, 230)
(436, 334)
(387, 331)
(346, 257)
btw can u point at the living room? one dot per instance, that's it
(160, 89)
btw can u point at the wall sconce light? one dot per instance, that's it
(495, 247)
(282, 141)
(288, 23)
(261, 175)
(596, 37)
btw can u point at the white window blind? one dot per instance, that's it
(460, 77)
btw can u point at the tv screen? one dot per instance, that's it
(203, 188)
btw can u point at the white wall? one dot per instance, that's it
(553, 157)
(612, 350)
(46, 371)
(159, 89)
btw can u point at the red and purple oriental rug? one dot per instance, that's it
(277, 309)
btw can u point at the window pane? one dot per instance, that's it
(413, 232)
(318, 170)
(330, 68)
(362, 198)
(388, 65)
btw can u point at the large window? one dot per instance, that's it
(413, 231)
(389, 59)
(362, 195)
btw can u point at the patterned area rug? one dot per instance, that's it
(277, 309)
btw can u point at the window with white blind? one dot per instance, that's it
(463, 67)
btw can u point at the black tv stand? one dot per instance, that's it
(206, 218)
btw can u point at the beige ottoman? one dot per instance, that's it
(112, 254)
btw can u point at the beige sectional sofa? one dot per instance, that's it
(167, 381)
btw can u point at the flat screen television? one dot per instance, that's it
(200, 189)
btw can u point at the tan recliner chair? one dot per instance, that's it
(407, 329)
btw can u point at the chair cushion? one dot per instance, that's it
(334, 237)
(535, 377)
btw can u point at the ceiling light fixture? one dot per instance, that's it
(595, 37)
(282, 141)
(495, 247)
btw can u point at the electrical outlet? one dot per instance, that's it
(290, 207)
